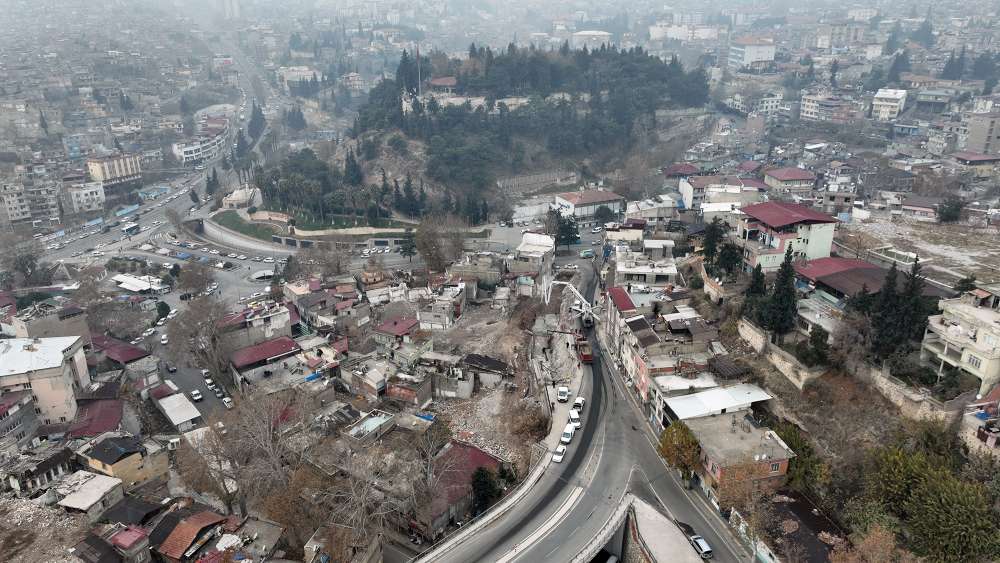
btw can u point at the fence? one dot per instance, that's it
(913, 403)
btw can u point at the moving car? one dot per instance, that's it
(596, 230)
(562, 394)
(700, 546)
(557, 456)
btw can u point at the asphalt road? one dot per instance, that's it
(611, 455)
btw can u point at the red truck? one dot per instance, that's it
(584, 351)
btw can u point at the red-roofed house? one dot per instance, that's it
(583, 204)
(263, 353)
(185, 533)
(119, 352)
(790, 180)
(620, 307)
(680, 170)
(815, 269)
(96, 418)
(395, 330)
(456, 463)
(768, 228)
(982, 165)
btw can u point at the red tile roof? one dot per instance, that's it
(461, 460)
(975, 157)
(444, 81)
(589, 197)
(681, 169)
(340, 345)
(116, 350)
(97, 418)
(160, 391)
(621, 299)
(397, 326)
(779, 214)
(182, 536)
(814, 269)
(748, 166)
(789, 174)
(128, 537)
(8, 301)
(345, 304)
(8, 400)
(270, 349)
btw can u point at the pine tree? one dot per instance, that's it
(757, 287)
(834, 68)
(887, 334)
(409, 197)
(913, 308)
(781, 308)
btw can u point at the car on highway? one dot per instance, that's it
(700, 546)
(562, 394)
(559, 454)
(196, 395)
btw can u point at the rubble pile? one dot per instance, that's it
(30, 532)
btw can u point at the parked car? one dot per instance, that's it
(196, 395)
(574, 418)
(562, 394)
(567, 434)
(219, 393)
(227, 402)
(700, 546)
(164, 340)
(557, 456)
(578, 403)
(171, 368)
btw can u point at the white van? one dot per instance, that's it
(567, 435)
(574, 418)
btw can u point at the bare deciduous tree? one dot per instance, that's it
(197, 335)
(195, 277)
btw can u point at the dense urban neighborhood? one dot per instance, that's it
(373, 281)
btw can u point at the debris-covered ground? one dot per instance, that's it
(954, 250)
(30, 532)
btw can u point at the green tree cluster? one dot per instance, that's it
(257, 122)
(897, 313)
(774, 310)
(954, 67)
(293, 119)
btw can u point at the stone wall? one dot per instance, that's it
(793, 370)
(915, 404)
(753, 334)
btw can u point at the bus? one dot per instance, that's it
(130, 228)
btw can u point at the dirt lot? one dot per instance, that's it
(953, 250)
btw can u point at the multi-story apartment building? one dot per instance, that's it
(750, 53)
(888, 104)
(85, 197)
(42, 195)
(14, 206)
(766, 104)
(52, 317)
(53, 369)
(116, 169)
(696, 190)
(18, 421)
(983, 133)
(827, 108)
(200, 149)
(768, 228)
(966, 336)
(582, 205)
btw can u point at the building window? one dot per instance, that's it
(975, 362)
(775, 467)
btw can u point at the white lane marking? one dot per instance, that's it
(552, 522)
